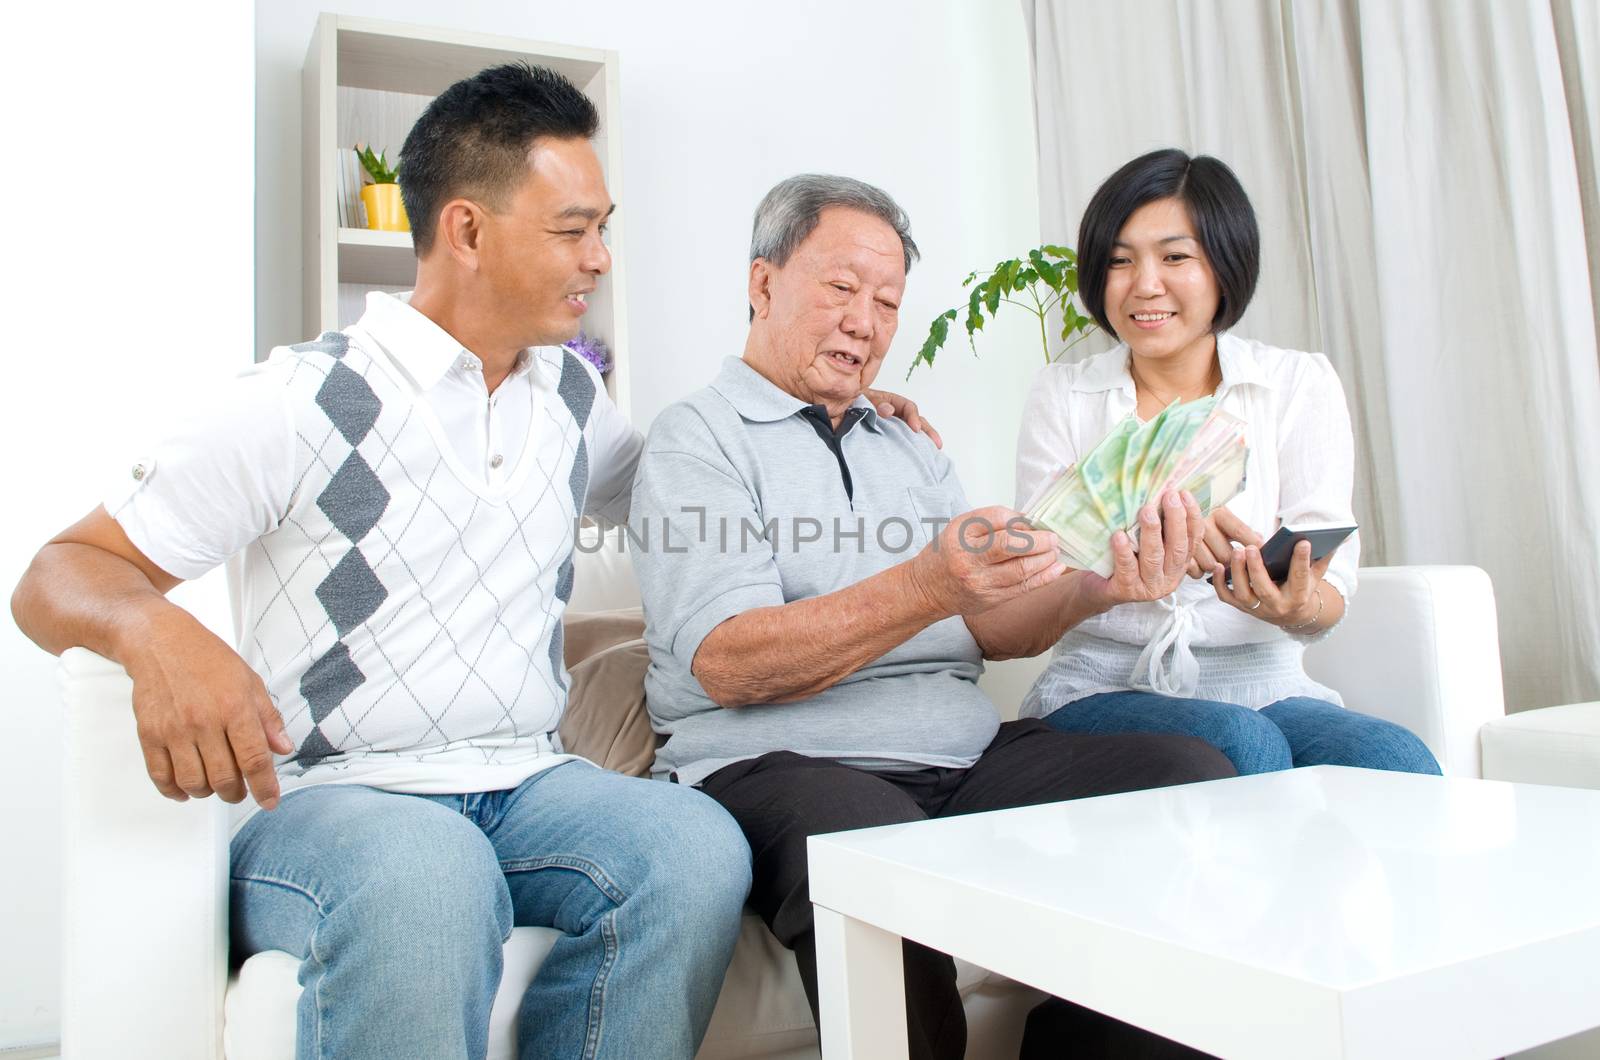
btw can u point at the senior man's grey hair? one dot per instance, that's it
(789, 213)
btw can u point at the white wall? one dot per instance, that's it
(127, 190)
(719, 101)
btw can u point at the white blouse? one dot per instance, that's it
(1299, 472)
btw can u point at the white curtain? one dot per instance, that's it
(1425, 178)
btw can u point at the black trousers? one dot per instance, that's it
(781, 798)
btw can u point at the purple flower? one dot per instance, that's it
(592, 350)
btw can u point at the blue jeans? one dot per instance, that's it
(1291, 732)
(397, 906)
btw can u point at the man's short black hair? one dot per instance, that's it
(474, 138)
(1218, 208)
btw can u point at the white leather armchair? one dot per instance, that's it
(146, 954)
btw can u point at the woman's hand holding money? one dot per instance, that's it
(1166, 542)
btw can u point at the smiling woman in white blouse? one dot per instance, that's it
(1168, 255)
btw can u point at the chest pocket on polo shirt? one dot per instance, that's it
(932, 508)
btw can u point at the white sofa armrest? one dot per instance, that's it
(145, 897)
(1421, 648)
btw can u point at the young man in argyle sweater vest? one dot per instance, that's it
(396, 503)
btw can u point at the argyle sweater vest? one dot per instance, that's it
(405, 616)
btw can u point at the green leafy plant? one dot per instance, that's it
(1046, 275)
(377, 165)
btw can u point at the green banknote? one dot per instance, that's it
(1193, 446)
(1102, 471)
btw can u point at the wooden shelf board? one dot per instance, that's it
(373, 257)
(427, 65)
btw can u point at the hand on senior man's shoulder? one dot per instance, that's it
(1166, 540)
(983, 558)
(891, 404)
(205, 722)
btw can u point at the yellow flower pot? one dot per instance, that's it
(385, 211)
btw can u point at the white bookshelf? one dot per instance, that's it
(367, 81)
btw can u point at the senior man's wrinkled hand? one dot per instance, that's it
(983, 558)
(1166, 540)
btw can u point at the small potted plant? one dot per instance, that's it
(385, 211)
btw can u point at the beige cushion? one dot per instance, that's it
(605, 720)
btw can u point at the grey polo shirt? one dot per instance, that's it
(741, 502)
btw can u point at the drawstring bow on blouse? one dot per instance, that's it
(1167, 665)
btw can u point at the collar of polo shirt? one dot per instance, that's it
(418, 346)
(759, 400)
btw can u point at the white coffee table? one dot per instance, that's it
(1322, 912)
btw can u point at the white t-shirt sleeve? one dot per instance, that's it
(614, 448)
(216, 479)
(1316, 464)
(1044, 439)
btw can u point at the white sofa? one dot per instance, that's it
(146, 951)
(1550, 745)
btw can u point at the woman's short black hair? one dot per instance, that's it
(474, 138)
(1219, 209)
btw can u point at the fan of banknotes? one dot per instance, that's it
(1194, 446)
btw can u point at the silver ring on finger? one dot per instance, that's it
(1256, 604)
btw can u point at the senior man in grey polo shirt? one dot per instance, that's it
(819, 599)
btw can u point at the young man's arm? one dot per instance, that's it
(205, 721)
(221, 478)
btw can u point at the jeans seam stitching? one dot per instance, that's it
(287, 885)
(316, 996)
(596, 875)
(598, 990)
